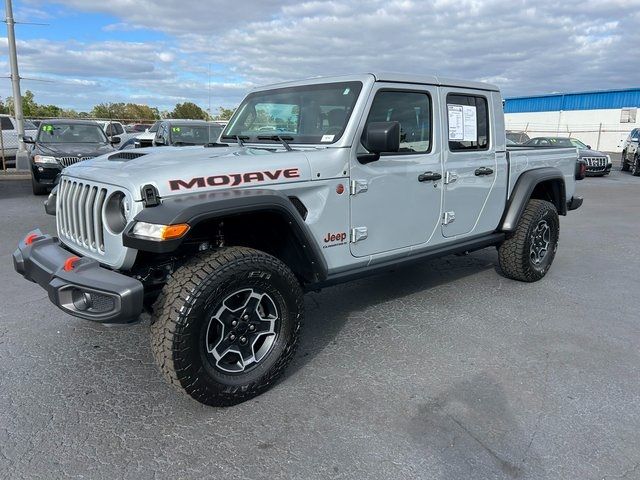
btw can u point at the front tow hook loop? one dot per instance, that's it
(69, 263)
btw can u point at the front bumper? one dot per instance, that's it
(78, 286)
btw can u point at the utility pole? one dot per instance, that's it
(15, 76)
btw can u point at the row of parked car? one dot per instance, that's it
(597, 163)
(58, 143)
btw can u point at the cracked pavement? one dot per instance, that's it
(442, 370)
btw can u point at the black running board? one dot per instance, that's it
(459, 247)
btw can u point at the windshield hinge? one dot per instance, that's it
(150, 196)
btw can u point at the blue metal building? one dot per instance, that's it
(598, 100)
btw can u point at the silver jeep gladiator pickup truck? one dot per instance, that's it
(311, 183)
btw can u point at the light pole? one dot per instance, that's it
(15, 76)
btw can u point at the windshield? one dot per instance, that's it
(28, 125)
(578, 143)
(194, 134)
(71, 133)
(305, 114)
(154, 127)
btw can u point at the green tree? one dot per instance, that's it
(189, 110)
(224, 113)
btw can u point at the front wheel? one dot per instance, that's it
(37, 188)
(635, 166)
(623, 162)
(227, 324)
(527, 253)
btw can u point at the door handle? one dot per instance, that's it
(483, 171)
(428, 176)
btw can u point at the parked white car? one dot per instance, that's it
(10, 140)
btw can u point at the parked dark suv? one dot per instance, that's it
(631, 153)
(60, 143)
(598, 163)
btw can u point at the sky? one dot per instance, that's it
(210, 52)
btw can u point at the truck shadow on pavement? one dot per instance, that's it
(328, 311)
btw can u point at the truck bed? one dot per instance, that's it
(521, 159)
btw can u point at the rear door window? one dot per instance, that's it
(468, 117)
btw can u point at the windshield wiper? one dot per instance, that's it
(278, 138)
(180, 143)
(237, 138)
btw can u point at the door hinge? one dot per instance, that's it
(358, 233)
(448, 217)
(450, 177)
(358, 186)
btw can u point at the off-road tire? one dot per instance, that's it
(514, 254)
(635, 167)
(37, 188)
(624, 165)
(183, 311)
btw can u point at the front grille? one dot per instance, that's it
(600, 162)
(79, 214)
(67, 161)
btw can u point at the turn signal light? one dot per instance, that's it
(174, 231)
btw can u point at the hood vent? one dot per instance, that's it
(126, 155)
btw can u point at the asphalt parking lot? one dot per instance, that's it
(444, 370)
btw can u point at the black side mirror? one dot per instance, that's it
(589, 147)
(379, 137)
(114, 140)
(28, 139)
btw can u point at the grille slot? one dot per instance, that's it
(596, 161)
(66, 161)
(79, 214)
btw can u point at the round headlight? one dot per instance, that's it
(116, 212)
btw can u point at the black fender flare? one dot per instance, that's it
(193, 208)
(524, 187)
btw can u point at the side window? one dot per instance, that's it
(117, 128)
(5, 123)
(412, 110)
(468, 122)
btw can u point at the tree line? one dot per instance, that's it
(116, 111)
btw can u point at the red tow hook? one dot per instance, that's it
(30, 238)
(69, 263)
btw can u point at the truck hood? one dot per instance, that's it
(583, 152)
(178, 170)
(73, 149)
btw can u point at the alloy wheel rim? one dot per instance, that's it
(242, 331)
(540, 240)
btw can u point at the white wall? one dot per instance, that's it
(599, 128)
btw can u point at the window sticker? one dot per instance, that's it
(327, 138)
(470, 117)
(456, 125)
(175, 129)
(47, 128)
(463, 123)
(346, 91)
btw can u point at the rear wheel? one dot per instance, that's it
(527, 253)
(227, 325)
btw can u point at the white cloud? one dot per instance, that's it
(525, 46)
